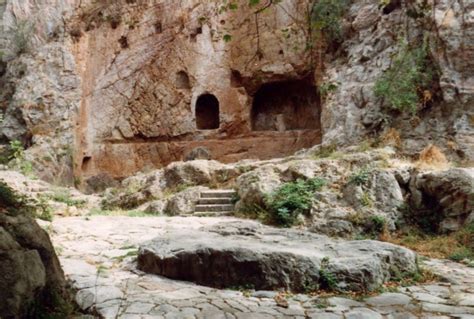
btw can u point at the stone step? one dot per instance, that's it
(215, 200)
(214, 208)
(212, 214)
(227, 193)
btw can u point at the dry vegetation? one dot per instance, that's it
(432, 158)
(457, 246)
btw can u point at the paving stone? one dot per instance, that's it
(446, 309)
(163, 309)
(437, 290)
(338, 301)
(109, 309)
(264, 294)
(324, 315)
(140, 308)
(420, 296)
(389, 299)
(244, 315)
(292, 310)
(211, 314)
(174, 299)
(222, 306)
(85, 298)
(268, 311)
(464, 299)
(173, 315)
(362, 313)
(401, 315)
(188, 311)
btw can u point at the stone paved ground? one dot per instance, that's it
(98, 254)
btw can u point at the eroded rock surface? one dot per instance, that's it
(130, 101)
(364, 193)
(29, 268)
(449, 194)
(247, 253)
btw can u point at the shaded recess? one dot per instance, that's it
(207, 112)
(286, 106)
(182, 80)
(86, 162)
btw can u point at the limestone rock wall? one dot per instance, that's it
(139, 106)
(112, 86)
(371, 39)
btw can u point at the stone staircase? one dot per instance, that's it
(213, 203)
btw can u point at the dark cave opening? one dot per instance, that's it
(207, 112)
(286, 106)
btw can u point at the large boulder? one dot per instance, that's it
(268, 258)
(198, 172)
(29, 268)
(449, 194)
(184, 203)
(254, 186)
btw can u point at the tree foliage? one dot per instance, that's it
(326, 18)
(404, 85)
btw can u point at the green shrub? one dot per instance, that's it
(64, 196)
(366, 200)
(403, 85)
(17, 158)
(17, 149)
(292, 199)
(361, 177)
(326, 17)
(327, 279)
(461, 253)
(378, 224)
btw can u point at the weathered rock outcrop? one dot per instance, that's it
(445, 197)
(372, 37)
(29, 268)
(249, 254)
(124, 83)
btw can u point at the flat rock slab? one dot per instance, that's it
(248, 254)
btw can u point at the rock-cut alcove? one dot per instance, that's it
(207, 112)
(285, 106)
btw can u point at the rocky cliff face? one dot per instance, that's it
(120, 86)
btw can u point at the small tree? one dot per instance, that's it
(404, 85)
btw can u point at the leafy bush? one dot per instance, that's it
(292, 199)
(64, 196)
(460, 254)
(361, 177)
(17, 157)
(17, 149)
(378, 224)
(326, 17)
(404, 85)
(327, 279)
